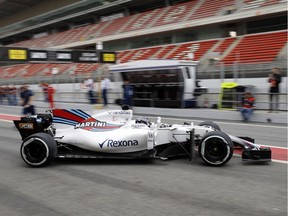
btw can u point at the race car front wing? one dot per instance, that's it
(262, 154)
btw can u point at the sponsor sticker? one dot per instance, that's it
(28, 126)
(122, 112)
(97, 124)
(150, 140)
(109, 143)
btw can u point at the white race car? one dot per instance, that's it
(113, 134)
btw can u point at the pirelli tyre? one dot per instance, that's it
(210, 124)
(216, 148)
(38, 149)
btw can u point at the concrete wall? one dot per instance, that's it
(39, 9)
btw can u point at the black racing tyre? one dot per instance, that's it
(210, 124)
(215, 148)
(38, 149)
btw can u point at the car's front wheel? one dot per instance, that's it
(38, 149)
(216, 148)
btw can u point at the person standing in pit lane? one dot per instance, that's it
(89, 85)
(247, 106)
(26, 96)
(105, 85)
(274, 80)
(128, 93)
(50, 96)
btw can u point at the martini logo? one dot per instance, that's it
(93, 124)
(118, 143)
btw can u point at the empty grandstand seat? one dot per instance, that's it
(141, 20)
(34, 70)
(62, 68)
(128, 56)
(85, 68)
(226, 42)
(144, 53)
(11, 71)
(251, 4)
(115, 26)
(257, 48)
(175, 13)
(122, 54)
(211, 8)
(199, 48)
(163, 51)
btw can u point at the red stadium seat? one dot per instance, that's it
(257, 48)
(175, 13)
(211, 8)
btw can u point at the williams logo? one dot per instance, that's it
(109, 143)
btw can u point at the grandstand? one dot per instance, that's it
(159, 29)
(159, 21)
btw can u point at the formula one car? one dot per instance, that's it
(72, 133)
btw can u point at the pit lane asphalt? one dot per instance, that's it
(129, 187)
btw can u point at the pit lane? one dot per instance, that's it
(128, 187)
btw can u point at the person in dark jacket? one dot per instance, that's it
(128, 93)
(26, 96)
(274, 80)
(247, 106)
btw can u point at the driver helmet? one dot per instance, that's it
(143, 120)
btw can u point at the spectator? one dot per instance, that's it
(26, 96)
(12, 95)
(4, 91)
(44, 87)
(89, 85)
(50, 95)
(274, 81)
(105, 85)
(128, 93)
(1, 94)
(247, 106)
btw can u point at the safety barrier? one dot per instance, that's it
(207, 100)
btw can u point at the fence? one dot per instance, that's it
(208, 100)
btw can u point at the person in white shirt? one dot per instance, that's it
(105, 85)
(89, 85)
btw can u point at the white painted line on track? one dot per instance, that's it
(6, 120)
(9, 114)
(278, 147)
(279, 161)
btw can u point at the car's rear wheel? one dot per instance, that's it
(38, 149)
(210, 124)
(216, 148)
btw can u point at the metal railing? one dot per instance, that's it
(207, 100)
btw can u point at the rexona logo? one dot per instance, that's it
(118, 143)
(97, 124)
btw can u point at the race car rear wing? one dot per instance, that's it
(29, 125)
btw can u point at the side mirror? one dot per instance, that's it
(125, 107)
